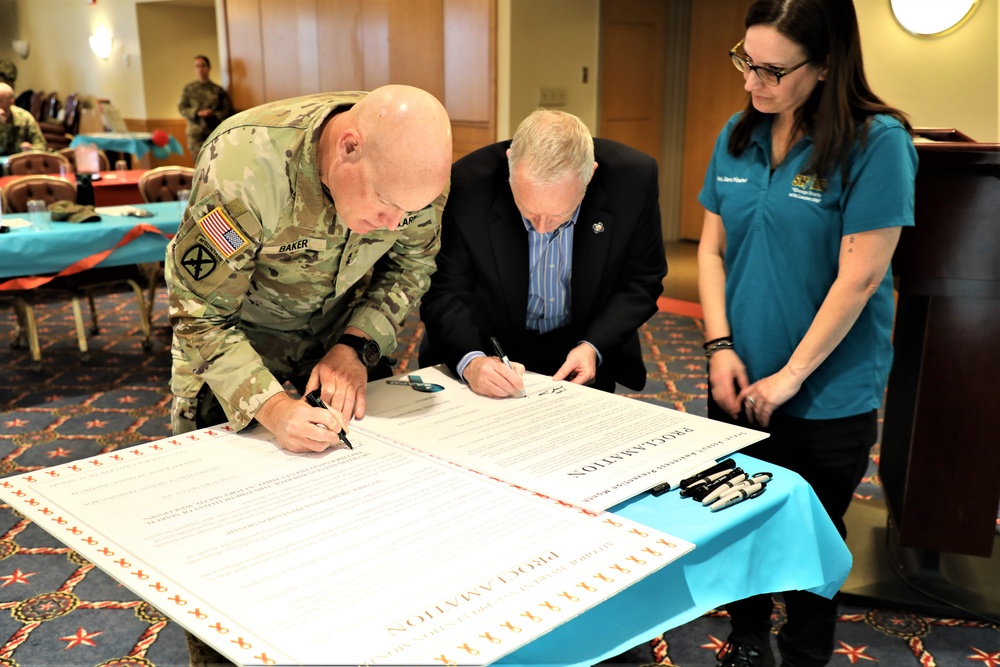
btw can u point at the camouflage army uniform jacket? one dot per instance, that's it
(197, 96)
(264, 276)
(23, 128)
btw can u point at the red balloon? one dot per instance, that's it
(160, 138)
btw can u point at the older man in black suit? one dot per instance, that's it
(551, 243)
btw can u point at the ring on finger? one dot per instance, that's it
(751, 401)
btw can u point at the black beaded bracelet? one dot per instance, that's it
(715, 346)
(712, 342)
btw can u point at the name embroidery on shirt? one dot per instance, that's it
(808, 188)
(407, 219)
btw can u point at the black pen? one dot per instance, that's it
(503, 357)
(314, 400)
(728, 464)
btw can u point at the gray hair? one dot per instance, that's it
(549, 145)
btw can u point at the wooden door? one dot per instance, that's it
(630, 103)
(714, 93)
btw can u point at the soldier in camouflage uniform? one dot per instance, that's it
(8, 72)
(309, 219)
(18, 129)
(204, 104)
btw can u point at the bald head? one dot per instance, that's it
(387, 155)
(407, 134)
(6, 102)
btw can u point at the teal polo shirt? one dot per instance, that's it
(783, 234)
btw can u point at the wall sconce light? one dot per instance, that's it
(101, 43)
(20, 47)
(932, 17)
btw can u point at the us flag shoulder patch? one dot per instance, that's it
(222, 233)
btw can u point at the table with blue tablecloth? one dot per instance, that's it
(136, 143)
(25, 252)
(781, 540)
(32, 260)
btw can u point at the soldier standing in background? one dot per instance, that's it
(204, 104)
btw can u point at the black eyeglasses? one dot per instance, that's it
(769, 75)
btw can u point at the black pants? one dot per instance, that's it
(832, 455)
(210, 412)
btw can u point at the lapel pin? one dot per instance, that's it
(598, 227)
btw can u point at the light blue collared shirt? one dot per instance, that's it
(550, 268)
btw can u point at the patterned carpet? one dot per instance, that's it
(63, 611)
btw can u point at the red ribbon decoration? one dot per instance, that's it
(78, 266)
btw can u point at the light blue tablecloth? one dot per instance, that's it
(136, 143)
(24, 252)
(781, 540)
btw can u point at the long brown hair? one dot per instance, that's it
(840, 108)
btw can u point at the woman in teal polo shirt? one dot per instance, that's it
(804, 200)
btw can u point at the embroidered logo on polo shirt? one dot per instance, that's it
(808, 188)
(219, 229)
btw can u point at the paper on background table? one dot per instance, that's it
(15, 223)
(124, 209)
(587, 447)
(376, 556)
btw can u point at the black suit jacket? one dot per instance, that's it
(480, 288)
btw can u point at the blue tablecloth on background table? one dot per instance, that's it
(781, 540)
(136, 143)
(25, 252)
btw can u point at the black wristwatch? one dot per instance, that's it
(368, 350)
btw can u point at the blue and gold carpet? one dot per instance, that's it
(57, 609)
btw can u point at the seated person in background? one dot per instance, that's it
(312, 225)
(18, 129)
(8, 72)
(204, 104)
(558, 256)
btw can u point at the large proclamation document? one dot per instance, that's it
(457, 530)
(570, 442)
(379, 555)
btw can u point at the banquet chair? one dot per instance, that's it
(18, 192)
(59, 133)
(16, 195)
(163, 183)
(36, 162)
(156, 185)
(70, 154)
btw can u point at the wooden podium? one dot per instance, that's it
(940, 459)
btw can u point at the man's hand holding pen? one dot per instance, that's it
(298, 426)
(490, 376)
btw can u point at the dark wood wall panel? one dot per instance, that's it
(246, 70)
(285, 48)
(714, 93)
(340, 45)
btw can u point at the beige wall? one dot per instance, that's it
(548, 44)
(176, 35)
(168, 33)
(951, 80)
(63, 27)
(947, 81)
